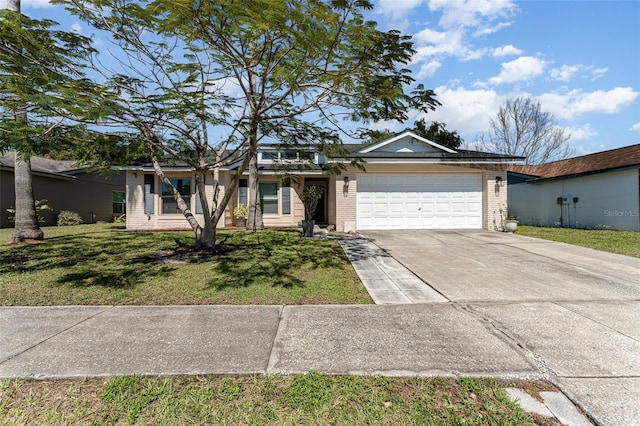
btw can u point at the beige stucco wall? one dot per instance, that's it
(139, 221)
(341, 197)
(494, 195)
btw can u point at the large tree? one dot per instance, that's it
(206, 81)
(521, 128)
(41, 85)
(438, 133)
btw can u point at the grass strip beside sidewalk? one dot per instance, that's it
(284, 400)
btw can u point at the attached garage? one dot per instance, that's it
(419, 201)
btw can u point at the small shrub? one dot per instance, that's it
(241, 212)
(69, 218)
(120, 219)
(41, 205)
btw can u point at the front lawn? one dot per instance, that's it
(261, 400)
(105, 265)
(622, 242)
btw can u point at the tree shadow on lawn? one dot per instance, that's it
(114, 260)
(275, 257)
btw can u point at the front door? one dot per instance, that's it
(321, 210)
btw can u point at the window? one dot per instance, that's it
(243, 194)
(118, 200)
(169, 204)
(269, 197)
(149, 190)
(306, 155)
(270, 155)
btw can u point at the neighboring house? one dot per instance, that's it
(409, 183)
(93, 196)
(599, 190)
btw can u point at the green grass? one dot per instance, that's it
(622, 242)
(260, 400)
(102, 264)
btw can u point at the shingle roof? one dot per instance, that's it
(600, 161)
(41, 164)
(460, 154)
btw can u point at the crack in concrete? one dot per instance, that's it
(27, 349)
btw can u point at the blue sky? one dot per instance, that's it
(580, 59)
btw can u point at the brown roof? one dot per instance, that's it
(600, 161)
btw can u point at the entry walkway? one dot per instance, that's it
(387, 280)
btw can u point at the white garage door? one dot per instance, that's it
(433, 201)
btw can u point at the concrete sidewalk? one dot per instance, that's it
(402, 340)
(431, 340)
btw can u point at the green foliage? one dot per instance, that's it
(42, 80)
(310, 197)
(241, 211)
(41, 205)
(300, 67)
(438, 133)
(120, 219)
(69, 218)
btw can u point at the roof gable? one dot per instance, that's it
(406, 142)
(591, 163)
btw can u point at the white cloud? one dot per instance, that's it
(479, 14)
(508, 50)
(397, 9)
(465, 111)
(459, 23)
(523, 68)
(76, 28)
(581, 132)
(428, 70)
(566, 72)
(635, 127)
(576, 102)
(596, 73)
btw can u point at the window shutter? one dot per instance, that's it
(242, 192)
(149, 190)
(198, 202)
(286, 200)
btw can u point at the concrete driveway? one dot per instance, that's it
(573, 311)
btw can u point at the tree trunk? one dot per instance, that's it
(26, 226)
(254, 222)
(207, 237)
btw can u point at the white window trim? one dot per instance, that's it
(161, 196)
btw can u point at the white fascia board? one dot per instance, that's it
(298, 173)
(402, 135)
(151, 169)
(428, 161)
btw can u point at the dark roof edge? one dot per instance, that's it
(536, 179)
